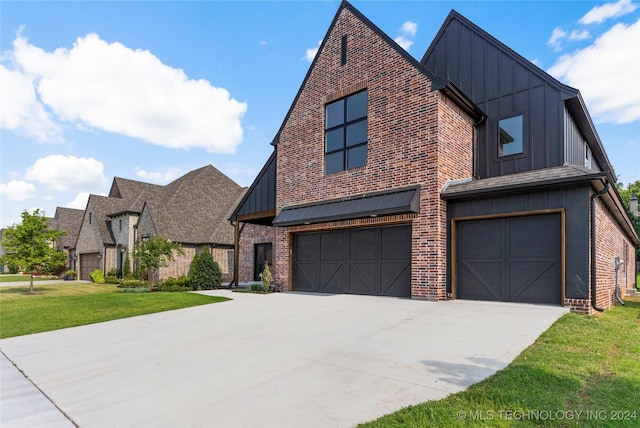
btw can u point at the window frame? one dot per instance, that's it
(341, 143)
(523, 127)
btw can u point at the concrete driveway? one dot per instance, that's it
(279, 360)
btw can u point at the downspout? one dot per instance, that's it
(594, 303)
(617, 293)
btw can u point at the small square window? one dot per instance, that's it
(510, 136)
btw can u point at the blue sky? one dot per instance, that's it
(150, 90)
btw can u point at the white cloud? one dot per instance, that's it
(68, 173)
(80, 201)
(606, 72)
(160, 176)
(556, 36)
(601, 13)
(23, 113)
(17, 190)
(407, 30)
(111, 87)
(403, 42)
(579, 35)
(312, 52)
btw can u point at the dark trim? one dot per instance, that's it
(396, 201)
(247, 193)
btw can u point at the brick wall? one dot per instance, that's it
(416, 136)
(611, 242)
(253, 234)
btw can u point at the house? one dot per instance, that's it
(67, 220)
(471, 174)
(192, 210)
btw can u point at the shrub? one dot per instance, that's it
(256, 286)
(97, 276)
(175, 284)
(266, 278)
(204, 272)
(133, 283)
(111, 279)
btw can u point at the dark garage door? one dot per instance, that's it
(88, 263)
(512, 259)
(374, 261)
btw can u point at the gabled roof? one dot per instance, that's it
(68, 220)
(195, 207)
(437, 83)
(571, 96)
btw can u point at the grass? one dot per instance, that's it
(21, 278)
(583, 371)
(63, 305)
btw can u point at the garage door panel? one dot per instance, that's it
(515, 259)
(481, 280)
(535, 282)
(362, 278)
(529, 238)
(331, 277)
(394, 276)
(331, 246)
(481, 238)
(88, 263)
(395, 243)
(374, 260)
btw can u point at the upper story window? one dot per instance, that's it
(345, 133)
(510, 134)
(587, 156)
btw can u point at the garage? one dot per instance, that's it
(88, 263)
(372, 261)
(510, 259)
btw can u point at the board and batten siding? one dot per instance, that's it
(576, 145)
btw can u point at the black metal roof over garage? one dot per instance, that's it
(397, 201)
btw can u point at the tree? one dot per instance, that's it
(633, 189)
(29, 245)
(126, 268)
(204, 272)
(154, 253)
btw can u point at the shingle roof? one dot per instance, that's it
(195, 207)
(564, 174)
(69, 220)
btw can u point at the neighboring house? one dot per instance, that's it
(192, 210)
(472, 174)
(67, 220)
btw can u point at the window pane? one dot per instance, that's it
(334, 140)
(334, 162)
(510, 136)
(357, 156)
(357, 106)
(357, 133)
(334, 114)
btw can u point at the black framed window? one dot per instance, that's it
(262, 254)
(510, 136)
(345, 133)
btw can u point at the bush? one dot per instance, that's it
(256, 286)
(175, 284)
(204, 272)
(97, 276)
(111, 279)
(126, 268)
(133, 283)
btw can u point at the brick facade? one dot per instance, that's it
(611, 242)
(253, 234)
(415, 136)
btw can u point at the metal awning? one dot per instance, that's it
(397, 201)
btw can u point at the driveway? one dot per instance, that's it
(279, 360)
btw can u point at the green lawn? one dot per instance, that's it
(20, 278)
(583, 371)
(64, 305)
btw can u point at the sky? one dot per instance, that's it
(150, 90)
